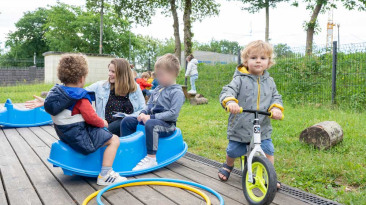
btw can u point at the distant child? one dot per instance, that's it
(144, 84)
(150, 80)
(75, 120)
(155, 82)
(161, 112)
(192, 72)
(251, 88)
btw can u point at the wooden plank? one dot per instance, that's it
(114, 196)
(16, 183)
(48, 188)
(235, 180)
(148, 195)
(80, 187)
(179, 196)
(166, 173)
(223, 188)
(50, 130)
(143, 194)
(3, 199)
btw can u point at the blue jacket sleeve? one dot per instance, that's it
(172, 114)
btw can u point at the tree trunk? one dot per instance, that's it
(101, 28)
(311, 28)
(178, 49)
(323, 135)
(187, 31)
(267, 21)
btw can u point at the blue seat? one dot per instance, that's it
(131, 150)
(13, 117)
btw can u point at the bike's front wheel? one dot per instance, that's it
(264, 187)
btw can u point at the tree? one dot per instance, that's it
(196, 10)
(28, 38)
(282, 50)
(222, 46)
(141, 11)
(321, 6)
(256, 5)
(178, 48)
(75, 29)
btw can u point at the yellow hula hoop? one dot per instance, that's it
(171, 184)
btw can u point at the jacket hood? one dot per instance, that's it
(241, 70)
(61, 97)
(194, 61)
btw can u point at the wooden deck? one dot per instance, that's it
(28, 178)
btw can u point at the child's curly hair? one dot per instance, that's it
(257, 47)
(71, 68)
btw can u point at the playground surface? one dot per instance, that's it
(26, 177)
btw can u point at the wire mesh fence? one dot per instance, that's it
(20, 63)
(303, 79)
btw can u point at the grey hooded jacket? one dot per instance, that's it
(251, 92)
(165, 103)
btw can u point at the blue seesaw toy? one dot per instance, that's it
(131, 150)
(13, 117)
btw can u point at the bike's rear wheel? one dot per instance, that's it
(264, 187)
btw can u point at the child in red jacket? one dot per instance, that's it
(144, 84)
(75, 120)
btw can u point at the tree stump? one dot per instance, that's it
(198, 99)
(323, 135)
(184, 88)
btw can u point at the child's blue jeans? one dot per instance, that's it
(154, 129)
(193, 79)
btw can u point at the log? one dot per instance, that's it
(323, 135)
(198, 99)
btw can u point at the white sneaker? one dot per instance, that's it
(110, 178)
(193, 92)
(145, 163)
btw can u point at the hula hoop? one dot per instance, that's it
(171, 184)
(99, 201)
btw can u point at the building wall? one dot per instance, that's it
(13, 76)
(98, 66)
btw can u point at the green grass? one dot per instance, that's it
(22, 93)
(338, 173)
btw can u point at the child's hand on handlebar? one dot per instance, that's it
(233, 108)
(276, 113)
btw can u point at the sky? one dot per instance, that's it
(234, 24)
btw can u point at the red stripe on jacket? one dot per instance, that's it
(86, 110)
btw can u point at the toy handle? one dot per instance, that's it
(255, 111)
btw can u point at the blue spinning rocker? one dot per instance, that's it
(131, 150)
(13, 117)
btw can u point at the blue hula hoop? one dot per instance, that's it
(105, 189)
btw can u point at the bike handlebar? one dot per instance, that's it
(255, 112)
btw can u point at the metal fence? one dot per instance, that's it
(334, 76)
(20, 63)
(304, 79)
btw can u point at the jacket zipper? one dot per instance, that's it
(259, 93)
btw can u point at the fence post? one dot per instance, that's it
(334, 72)
(239, 60)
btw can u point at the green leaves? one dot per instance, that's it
(222, 46)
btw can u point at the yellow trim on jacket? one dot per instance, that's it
(277, 106)
(229, 99)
